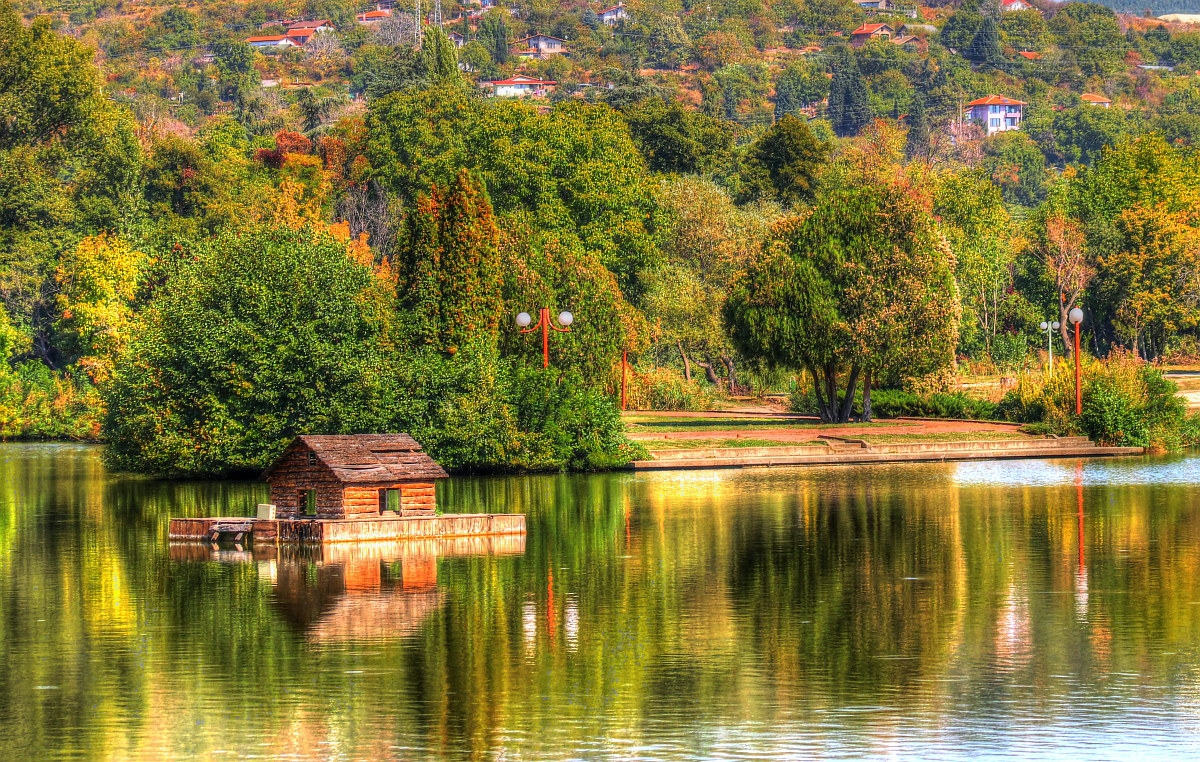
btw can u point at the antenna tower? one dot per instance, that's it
(418, 21)
(437, 13)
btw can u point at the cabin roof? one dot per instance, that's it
(368, 458)
(995, 100)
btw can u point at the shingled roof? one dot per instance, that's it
(368, 458)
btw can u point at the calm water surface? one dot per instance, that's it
(1029, 609)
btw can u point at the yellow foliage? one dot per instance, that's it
(98, 281)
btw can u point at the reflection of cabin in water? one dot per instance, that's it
(353, 476)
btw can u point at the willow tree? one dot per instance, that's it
(861, 287)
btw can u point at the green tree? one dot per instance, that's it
(677, 139)
(450, 278)
(789, 158)
(258, 337)
(1083, 132)
(1093, 33)
(849, 101)
(864, 283)
(960, 30)
(917, 145)
(799, 86)
(494, 35)
(985, 45)
(1017, 166)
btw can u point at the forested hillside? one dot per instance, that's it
(206, 247)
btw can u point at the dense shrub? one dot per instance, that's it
(1126, 402)
(666, 389)
(37, 403)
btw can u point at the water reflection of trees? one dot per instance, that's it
(643, 608)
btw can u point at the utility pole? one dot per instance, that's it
(420, 20)
(437, 13)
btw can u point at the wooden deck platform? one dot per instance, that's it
(346, 530)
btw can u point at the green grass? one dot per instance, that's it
(676, 425)
(941, 436)
(706, 444)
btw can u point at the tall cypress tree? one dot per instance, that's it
(450, 266)
(849, 103)
(985, 48)
(917, 145)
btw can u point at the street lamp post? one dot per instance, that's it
(546, 325)
(1076, 317)
(1050, 328)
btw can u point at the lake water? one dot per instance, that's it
(1028, 609)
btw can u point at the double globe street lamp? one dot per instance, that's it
(1049, 328)
(546, 325)
(1076, 316)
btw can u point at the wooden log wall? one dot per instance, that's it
(298, 473)
(418, 499)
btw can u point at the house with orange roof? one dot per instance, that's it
(1096, 100)
(996, 113)
(318, 25)
(868, 32)
(271, 41)
(1029, 55)
(374, 17)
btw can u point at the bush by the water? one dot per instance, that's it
(896, 403)
(1126, 402)
(265, 335)
(666, 389)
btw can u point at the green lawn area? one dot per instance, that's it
(668, 424)
(944, 436)
(707, 444)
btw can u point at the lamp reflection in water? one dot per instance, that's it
(1081, 581)
(342, 592)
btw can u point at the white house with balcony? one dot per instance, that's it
(520, 86)
(996, 113)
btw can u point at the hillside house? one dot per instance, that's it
(996, 113)
(868, 32)
(520, 86)
(1096, 100)
(319, 25)
(873, 6)
(457, 39)
(300, 36)
(374, 17)
(353, 476)
(614, 14)
(542, 45)
(271, 41)
(1029, 55)
(1007, 6)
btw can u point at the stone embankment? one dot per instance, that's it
(845, 451)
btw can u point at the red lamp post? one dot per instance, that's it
(1076, 317)
(546, 325)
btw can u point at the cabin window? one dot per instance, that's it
(389, 500)
(312, 458)
(308, 500)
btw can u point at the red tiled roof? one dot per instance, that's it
(267, 38)
(1032, 56)
(375, 15)
(308, 24)
(996, 100)
(870, 29)
(1093, 98)
(520, 79)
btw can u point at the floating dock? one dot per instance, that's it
(323, 531)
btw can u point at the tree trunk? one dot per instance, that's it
(1064, 309)
(687, 365)
(822, 410)
(709, 373)
(866, 408)
(848, 402)
(733, 384)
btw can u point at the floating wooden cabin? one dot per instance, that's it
(353, 476)
(350, 488)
